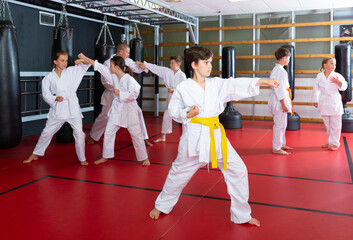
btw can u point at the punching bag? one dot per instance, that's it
(101, 53)
(293, 121)
(136, 54)
(63, 40)
(10, 94)
(343, 66)
(230, 118)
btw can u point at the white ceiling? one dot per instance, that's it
(224, 7)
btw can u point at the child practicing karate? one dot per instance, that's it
(122, 50)
(172, 77)
(196, 103)
(279, 102)
(59, 91)
(327, 98)
(124, 111)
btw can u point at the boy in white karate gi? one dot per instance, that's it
(122, 50)
(196, 103)
(279, 102)
(59, 91)
(327, 98)
(172, 77)
(124, 111)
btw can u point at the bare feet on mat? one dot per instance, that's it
(148, 144)
(102, 160)
(90, 140)
(325, 145)
(332, 147)
(85, 163)
(286, 148)
(280, 152)
(160, 139)
(146, 162)
(31, 158)
(154, 214)
(255, 222)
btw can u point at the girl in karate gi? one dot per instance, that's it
(172, 77)
(124, 111)
(327, 98)
(59, 91)
(196, 103)
(122, 50)
(279, 102)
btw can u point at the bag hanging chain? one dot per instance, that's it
(4, 5)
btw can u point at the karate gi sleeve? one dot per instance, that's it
(132, 92)
(104, 81)
(106, 75)
(134, 67)
(47, 95)
(234, 89)
(77, 72)
(158, 70)
(280, 91)
(316, 91)
(343, 81)
(177, 108)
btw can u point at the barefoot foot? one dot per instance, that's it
(286, 148)
(255, 222)
(332, 147)
(325, 146)
(90, 140)
(31, 158)
(160, 139)
(154, 214)
(85, 163)
(102, 160)
(146, 162)
(148, 144)
(280, 152)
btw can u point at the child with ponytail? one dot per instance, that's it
(124, 111)
(327, 98)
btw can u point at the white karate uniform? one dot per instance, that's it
(124, 112)
(329, 100)
(66, 111)
(194, 146)
(106, 101)
(171, 81)
(275, 106)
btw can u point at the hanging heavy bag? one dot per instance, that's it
(10, 94)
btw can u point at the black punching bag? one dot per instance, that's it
(10, 94)
(136, 53)
(293, 121)
(63, 40)
(101, 53)
(343, 66)
(230, 118)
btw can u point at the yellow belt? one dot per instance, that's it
(213, 123)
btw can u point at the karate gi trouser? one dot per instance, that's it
(167, 123)
(137, 137)
(52, 126)
(333, 124)
(184, 167)
(279, 130)
(100, 123)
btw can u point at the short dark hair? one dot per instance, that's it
(196, 53)
(281, 53)
(177, 59)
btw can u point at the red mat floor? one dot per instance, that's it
(306, 195)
